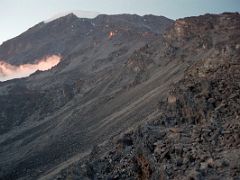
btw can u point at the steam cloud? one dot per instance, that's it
(8, 71)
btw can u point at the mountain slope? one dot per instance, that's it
(194, 131)
(56, 114)
(124, 74)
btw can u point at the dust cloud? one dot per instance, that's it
(8, 71)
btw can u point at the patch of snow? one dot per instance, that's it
(93, 24)
(78, 13)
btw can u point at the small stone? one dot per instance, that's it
(211, 100)
(210, 162)
(179, 162)
(172, 99)
(203, 166)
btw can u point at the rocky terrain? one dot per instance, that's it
(54, 115)
(136, 98)
(194, 132)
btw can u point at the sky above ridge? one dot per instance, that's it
(16, 16)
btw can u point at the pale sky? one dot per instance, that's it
(16, 16)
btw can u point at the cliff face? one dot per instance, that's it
(194, 131)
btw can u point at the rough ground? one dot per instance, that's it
(151, 106)
(195, 131)
(51, 116)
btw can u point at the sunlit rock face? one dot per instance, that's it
(8, 71)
